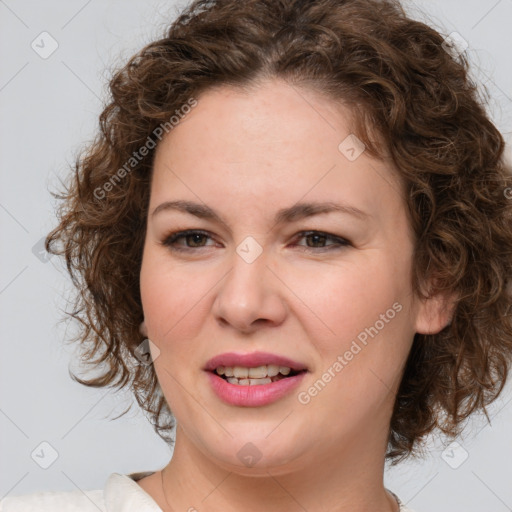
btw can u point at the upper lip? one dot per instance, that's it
(252, 360)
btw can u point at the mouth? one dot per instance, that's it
(255, 379)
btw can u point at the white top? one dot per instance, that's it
(121, 494)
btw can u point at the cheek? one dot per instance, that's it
(364, 309)
(172, 298)
(340, 301)
(368, 310)
(172, 302)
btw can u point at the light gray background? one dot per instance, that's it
(49, 107)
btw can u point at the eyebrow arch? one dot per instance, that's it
(286, 215)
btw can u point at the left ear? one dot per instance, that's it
(435, 313)
(143, 329)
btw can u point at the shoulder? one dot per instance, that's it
(121, 492)
(62, 501)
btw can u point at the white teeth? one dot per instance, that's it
(240, 372)
(267, 380)
(258, 375)
(249, 382)
(272, 370)
(258, 372)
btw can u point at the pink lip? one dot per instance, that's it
(251, 361)
(252, 396)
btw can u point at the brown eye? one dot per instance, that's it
(319, 239)
(192, 238)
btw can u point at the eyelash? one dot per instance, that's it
(170, 239)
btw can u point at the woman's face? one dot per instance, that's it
(252, 290)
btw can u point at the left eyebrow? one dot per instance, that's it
(286, 215)
(304, 210)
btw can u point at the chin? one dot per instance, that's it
(257, 456)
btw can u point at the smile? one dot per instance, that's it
(255, 379)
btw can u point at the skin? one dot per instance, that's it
(246, 155)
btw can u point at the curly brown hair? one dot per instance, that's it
(404, 84)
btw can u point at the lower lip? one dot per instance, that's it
(253, 396)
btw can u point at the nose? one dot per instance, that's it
(250, 295)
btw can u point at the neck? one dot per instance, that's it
(347, 479)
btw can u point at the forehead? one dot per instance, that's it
(273, 119)
(273, 144)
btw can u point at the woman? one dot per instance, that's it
(293, 232)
